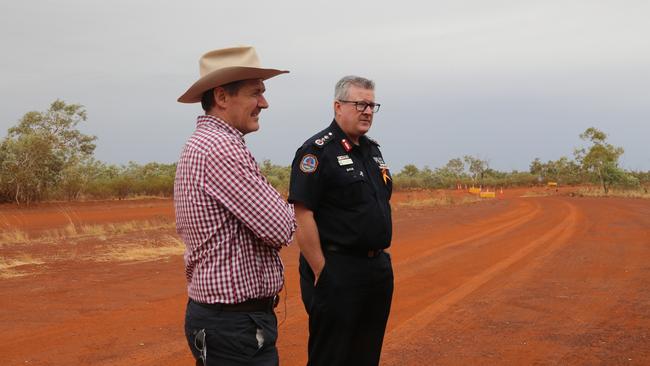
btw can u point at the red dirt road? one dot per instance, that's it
(537, 280)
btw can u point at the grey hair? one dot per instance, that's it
(341, 89)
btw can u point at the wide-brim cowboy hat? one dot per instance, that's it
(223, 66)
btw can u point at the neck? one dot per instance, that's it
(214, 112)
(353, 138)
(222, 116)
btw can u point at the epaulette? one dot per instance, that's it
(372, 141)
(321, 141)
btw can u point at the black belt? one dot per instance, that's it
(354, 251)
(265, 304)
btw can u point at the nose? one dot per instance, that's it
(262, 103)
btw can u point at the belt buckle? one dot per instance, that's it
(372, 253)
(276, 301)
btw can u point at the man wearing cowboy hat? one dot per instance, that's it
(231, 219)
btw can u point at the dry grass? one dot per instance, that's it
(438, 201)
(72, 231)
(143, 250)
(13, 236)
(8, 266)
(148, 251)
(622, 193)
(538, 194)
(133, 241)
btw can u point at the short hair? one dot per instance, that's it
(207, 99)
(342, 87)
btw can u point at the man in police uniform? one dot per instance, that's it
(341, 188)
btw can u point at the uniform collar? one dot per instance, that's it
(212, 122)
(339, 134)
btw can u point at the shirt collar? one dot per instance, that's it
(339, 134)
(208, 121)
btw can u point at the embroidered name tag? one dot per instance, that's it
(380, 162)
(344, 160)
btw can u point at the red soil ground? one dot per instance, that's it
(516, 280)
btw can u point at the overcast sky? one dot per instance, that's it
(507, 81)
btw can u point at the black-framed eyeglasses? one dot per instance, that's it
(361, 106)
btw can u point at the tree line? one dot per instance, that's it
(45, 157)
(597, 163)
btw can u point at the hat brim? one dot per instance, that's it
(225, 76)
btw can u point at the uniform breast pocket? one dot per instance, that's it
(351, 189)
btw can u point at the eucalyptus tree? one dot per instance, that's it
(601, 158)
(41, 150)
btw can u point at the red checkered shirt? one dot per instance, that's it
(233, 222)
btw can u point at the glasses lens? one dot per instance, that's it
(199, 344)
(361, 106)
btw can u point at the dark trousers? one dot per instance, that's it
(348, 309)
(231, 338)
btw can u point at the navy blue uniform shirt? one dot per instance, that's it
(347, 186)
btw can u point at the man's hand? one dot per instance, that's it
(318, 271)
(308, 240)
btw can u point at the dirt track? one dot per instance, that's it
(537, 280)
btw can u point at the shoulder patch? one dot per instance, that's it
(321, 141)
(308, 163)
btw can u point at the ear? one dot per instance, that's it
(337, 108)
(220, 97)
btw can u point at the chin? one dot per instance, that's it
(364, 128)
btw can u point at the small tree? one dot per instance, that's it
(43, 148)
(537, 168)
(27, 168)
(600, 159)
(410, 170)
(477, 167)
(456, 167)
(58, 125)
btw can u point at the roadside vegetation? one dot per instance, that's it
(439, 200)
(80, 231)
(45, 157)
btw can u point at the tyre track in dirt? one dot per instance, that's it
(582, 302)
(476, 284)
(411, 266)
(552, 239)
(518, 216)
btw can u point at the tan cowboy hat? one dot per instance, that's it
(220, 67)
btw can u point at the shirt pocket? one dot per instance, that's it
(351, 189)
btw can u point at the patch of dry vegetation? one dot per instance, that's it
(538, 194)
(143, 252)
(78, 231)
(438, 201)
(13, 236)
(129, 250)
(8, 266)
(621, 193)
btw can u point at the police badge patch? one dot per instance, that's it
(308, 163)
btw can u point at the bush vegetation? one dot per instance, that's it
(45, 157)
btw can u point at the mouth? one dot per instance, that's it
(256, 113)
